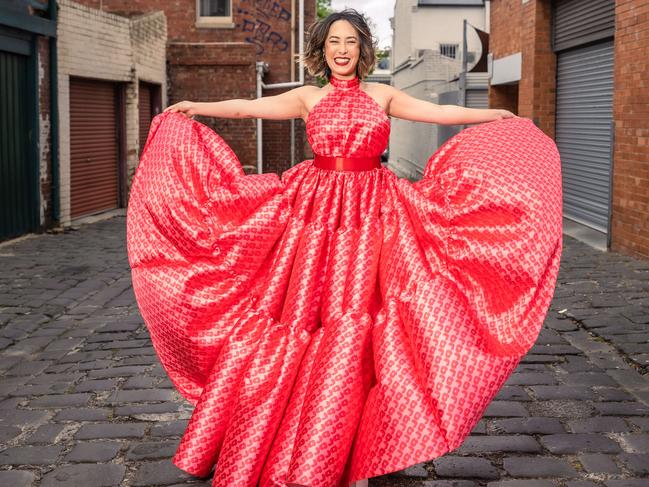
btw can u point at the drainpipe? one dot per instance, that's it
(262, 67)
(463, 74)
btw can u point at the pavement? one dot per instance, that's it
(85, 402)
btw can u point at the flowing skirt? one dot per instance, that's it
(332, 326)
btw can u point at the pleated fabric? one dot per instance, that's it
(330, 326)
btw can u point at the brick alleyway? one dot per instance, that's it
(85, 402)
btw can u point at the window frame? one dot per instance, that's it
(214, 21)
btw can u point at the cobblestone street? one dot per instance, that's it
(85, 401)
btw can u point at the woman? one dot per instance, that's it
(339, 323)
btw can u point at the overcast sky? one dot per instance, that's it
(379, 11)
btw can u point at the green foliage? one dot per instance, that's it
(323, 8)
(382, 53)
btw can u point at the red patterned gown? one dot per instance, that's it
(334, 325)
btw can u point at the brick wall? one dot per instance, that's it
(525, 28)
(630, 212)
(148, 34)
(213, 72)
(537, 88)
(149, 40)
(505, 27)
(45, 132)
(504, 96)
(504, 40)
(269, 29)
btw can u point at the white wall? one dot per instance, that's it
(148, 41)
(412, 143)
(424, 77)
(401, 39)
(434, 25)
(428, 27)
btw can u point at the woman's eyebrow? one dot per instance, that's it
(338, 37)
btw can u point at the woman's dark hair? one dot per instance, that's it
(314, 58)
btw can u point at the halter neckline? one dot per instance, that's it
(344, 83)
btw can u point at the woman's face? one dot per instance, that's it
(342, 49)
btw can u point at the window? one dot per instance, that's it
(214, 8)
(448, 50)
(214, 14)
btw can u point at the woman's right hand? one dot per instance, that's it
(187, 108)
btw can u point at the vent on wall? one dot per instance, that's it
(449, 50)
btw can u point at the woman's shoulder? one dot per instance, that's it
(311, 94)
(381, 90)
(310, 91)
(381, 93)
(379, 87)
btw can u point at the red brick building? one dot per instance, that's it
(580, 70)
(212, 50)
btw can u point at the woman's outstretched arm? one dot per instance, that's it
(284, 106)
(404, 106)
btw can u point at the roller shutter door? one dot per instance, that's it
(477, 94)
(582, 37)
(583, 131)
(94, 147)
(477, 99)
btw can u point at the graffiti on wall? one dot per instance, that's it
(259, 18)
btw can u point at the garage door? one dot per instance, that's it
(94, 147)
(583, 131)
(18, 170)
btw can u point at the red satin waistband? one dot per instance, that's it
(347, 163)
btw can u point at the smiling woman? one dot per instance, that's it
(336, 322)
(343, 35)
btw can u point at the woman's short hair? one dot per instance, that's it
(314, 58)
